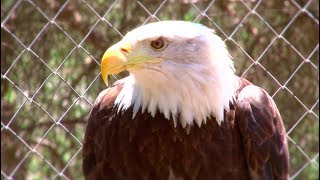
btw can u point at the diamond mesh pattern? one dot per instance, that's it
(50, 74)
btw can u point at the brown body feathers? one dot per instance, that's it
(249, 144)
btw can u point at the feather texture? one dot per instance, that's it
(250, 143)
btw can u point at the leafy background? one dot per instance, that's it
(50, 54)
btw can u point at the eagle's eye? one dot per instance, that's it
(158, 44)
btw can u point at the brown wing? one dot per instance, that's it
(92, 146)
(263, 134)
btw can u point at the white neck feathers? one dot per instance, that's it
(191, 89)
(187, 94)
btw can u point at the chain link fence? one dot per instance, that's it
(50, 71)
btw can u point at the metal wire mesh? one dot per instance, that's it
(49, 85)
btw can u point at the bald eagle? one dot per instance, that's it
(182, 113)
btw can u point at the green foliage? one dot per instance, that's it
(189, 16)
(10, 96)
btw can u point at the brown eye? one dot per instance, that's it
(158, 43)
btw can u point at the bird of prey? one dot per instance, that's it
(182, 113)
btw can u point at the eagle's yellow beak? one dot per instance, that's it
(114, 60)
(120, 57)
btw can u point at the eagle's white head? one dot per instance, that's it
(181, 69)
